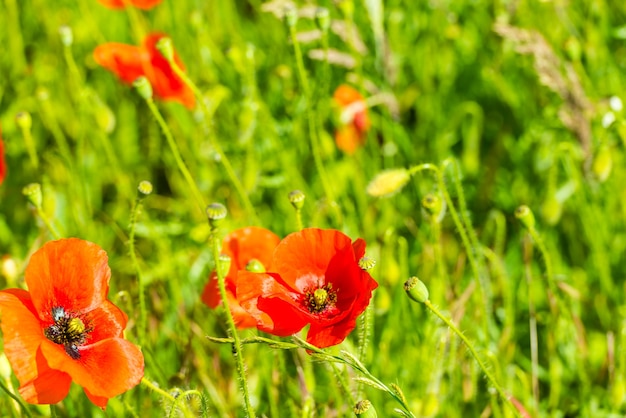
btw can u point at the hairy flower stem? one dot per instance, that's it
(141, 326)
(313, 134)
(465, 238)
(179, 160)
(474, 354)
(165, 395)
(232, 329)
(215, 143)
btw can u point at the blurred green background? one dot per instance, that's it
(524, 97)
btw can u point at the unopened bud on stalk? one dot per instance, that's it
(33, 194)
(144, 188)
(223, 265)
(255, 266)
(388, 182)
(322, 19)
(143, 87)
(365, 409)
(432, 204)
(416, 290)
(291, 16)
(525, 216)
(23, 120)
(67, 37)
(366, 263)
(296, 198)
(216, 212)
(165, 47)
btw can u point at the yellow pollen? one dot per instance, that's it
(75, 327)
(320, 296)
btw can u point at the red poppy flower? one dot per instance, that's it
(248, 248)
(354, 121)
(314, 279)
(129, 62)
(3, 167)
(64, 328)
(120, 4)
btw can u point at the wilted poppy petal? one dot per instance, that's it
(22, 333)
(106, 368)
(70, 273)
(302, 257)
(106, 321)
(49, 387)
(119, 4)
(125, 61)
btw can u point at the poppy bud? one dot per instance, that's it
(223, 265)
(416, 290)
(526, 217)
(616, 104)
(67, 37)
(602, 164)
(23, 120)
(291, 16)
(322, 19)
(388, 182)
(366, 263)
(216, 212)
(144, 188)
(365, 409)
(33, 194)
(432, 204)
(143, 87)
(551, 210)
(255, 266)
(5, 367)
(296, 198)
(165, 47)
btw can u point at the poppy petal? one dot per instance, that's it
(125, 61)
(287, 318)
(105, 369)
(70, 273)
(119, 4)
(22, 333)
(245, 244)
(252, 286)
(106, 321)
(344, 95)
(100, 401)
(49, 387)
(211, 297)
(325, 336)
(348, 139)
(302, 257)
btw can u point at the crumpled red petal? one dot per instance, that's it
(69, 273)
(125, 61)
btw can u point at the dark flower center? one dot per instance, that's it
(67, 330)
(317, 300)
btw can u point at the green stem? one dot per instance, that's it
(29, 143)
(474, 354)
(232, 329)
(299, 219)
(215, 143)
(313, 135)
(179, 160)
(15, 398)
(141, 326)
(46, 220)
(16, 42)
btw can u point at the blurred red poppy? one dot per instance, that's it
(3, 167)
(354, 121)
(64, 328)
(314, 279)
(248, 248)
(129, 62)
(120, 4)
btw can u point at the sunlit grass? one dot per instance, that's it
(507, 102)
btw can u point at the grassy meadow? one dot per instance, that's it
(507, 116)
